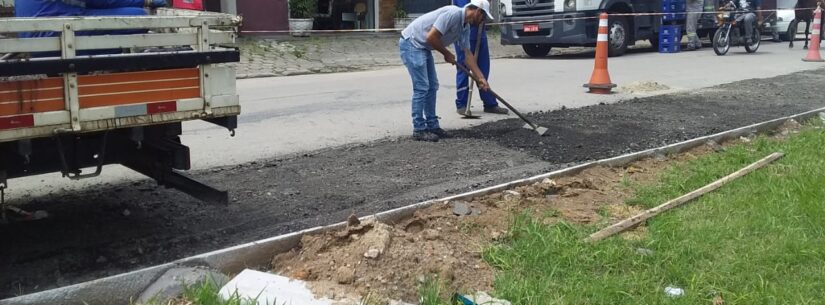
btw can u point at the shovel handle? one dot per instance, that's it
(499, 98)
(478, 46)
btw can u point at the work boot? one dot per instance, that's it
(441, 133)
(497, 110)
(425, 136)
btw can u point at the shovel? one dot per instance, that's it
(538, 129)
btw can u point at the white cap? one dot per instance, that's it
(482, 4)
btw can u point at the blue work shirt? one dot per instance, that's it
(448, 20)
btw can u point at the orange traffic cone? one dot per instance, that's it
(600, 81)
(813, 51)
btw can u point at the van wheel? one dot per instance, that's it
(536, 50)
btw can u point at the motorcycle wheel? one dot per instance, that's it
(721, 40)
(757, 39)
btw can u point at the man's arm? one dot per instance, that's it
(434, 40)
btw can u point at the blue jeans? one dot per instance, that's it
(421, 66)
(462, 79)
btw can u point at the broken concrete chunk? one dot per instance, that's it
(352, 220)
(549, 182)
(376, 241)
(372, 253)
(345, 275)
(261, 288)
(510, 194)
(461, 208)
(674, 292)
(482, 298)
(171, 284)
(430, 234)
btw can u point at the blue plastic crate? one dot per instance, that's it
(672, 10)
(674, 7)
(670, 48)
(669, 2)
(673, 17)
(670, 37)
(670, 31)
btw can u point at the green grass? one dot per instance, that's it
(432, 293)
(203, 293)
(757, 240)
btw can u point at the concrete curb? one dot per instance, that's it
(122, 288)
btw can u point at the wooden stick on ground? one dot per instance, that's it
(635, 220)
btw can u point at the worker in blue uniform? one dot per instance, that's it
(462, 79)
(71, 8)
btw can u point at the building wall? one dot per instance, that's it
(270, 15)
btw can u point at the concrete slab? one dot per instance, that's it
(261, 288)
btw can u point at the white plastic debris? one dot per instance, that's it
(674, 292)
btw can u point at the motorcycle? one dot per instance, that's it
(731, 31)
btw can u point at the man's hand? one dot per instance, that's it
(450, 58)
(483, 85)
(470, 63)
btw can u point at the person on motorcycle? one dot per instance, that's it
(752, 9)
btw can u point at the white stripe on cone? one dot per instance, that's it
(602, 37)
(602, 22)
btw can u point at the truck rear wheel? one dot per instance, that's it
(536, 50)
(617, 32)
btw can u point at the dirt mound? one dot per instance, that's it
(643, 87)
(446, 241)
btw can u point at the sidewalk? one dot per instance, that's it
(284, 56)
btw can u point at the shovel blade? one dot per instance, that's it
(539, 130)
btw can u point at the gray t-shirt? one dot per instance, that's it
(448, 20)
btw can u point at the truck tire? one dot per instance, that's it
(536, 50)
(618, 33)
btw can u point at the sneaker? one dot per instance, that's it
(461, 111)
(497, 110)
(749, 41)
(690, 47)
(441, 133)
(425, 136)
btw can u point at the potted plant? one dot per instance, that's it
(401, 18)
(301, 16)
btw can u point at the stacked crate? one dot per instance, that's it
(670, 33)
(670, 38)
